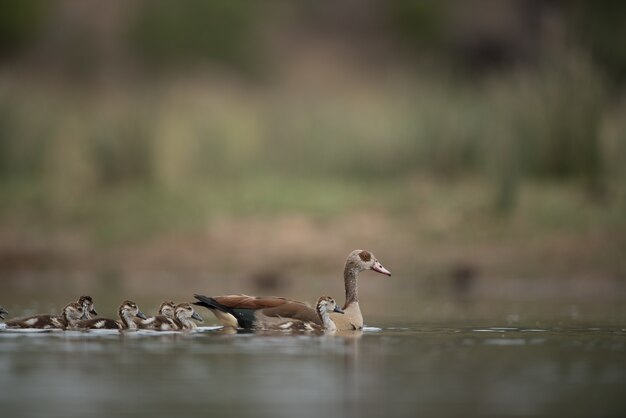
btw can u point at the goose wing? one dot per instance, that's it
(251, 311)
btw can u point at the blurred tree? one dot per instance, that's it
(20, 22)
(172, 34)
(601, 27)
(419, 24)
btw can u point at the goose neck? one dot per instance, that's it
(350, 274)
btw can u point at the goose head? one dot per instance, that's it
(184, 312)
(361, 260)
(3, 313)
(74, 312)
(87, 303)
(167, 309)
(129, 309)
(326, 304)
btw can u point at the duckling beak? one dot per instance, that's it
(380, 269)
(93, 311)
(141, 315)
(197, 317)
(338, 310)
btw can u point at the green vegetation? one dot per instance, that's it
(174, 158)
(458, 135)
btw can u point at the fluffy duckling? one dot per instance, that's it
(164, 321)
(324, 306)
(87, 304)
(3, 313)
(127, 311)
(184, 314)
(72, 313)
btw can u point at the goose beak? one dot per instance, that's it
(338, 310)
(141, 315)
(93, 311)
(377, 267)
(197, 317)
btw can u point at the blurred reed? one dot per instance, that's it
(552, 124)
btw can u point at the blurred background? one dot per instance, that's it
(149, 150)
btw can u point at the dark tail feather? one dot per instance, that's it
(211, 303)
(240, 315)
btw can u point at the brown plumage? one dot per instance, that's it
(243, 311)
(127, 311)
(164, 321)
(87, 303)
(184, 314)
(72, 313)
(324, 306)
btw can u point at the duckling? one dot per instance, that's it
(127, 311)
(164, 321)
(87, 304)
(72, 313)
(3, 312)
(184, 315)
(324, 306)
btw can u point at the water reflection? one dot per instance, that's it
(399, 371)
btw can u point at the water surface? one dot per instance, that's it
(403, 370)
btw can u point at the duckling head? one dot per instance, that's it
(87, 304)
(129, 309)
(184, 311)
(74, 312)
(361, 260)
(167, 309)
(327, 304)
(3, 313)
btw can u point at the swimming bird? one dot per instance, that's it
(324, 306)
(87, 303)
(243, 311)
(72, 313)
(127, 311)
(184, 315)
(164, 321)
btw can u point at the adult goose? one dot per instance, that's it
(243, 311)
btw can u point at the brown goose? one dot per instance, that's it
(164, 321)
(72, 313)
(184, 315)
(243, 311)
(324, 306)
(127, 311)
(87, 303)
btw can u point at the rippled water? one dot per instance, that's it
(391, 371)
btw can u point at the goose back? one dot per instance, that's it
(243, 311)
